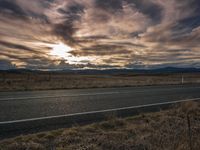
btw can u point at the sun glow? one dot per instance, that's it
(61, 50)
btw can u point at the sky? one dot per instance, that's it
(99, 34)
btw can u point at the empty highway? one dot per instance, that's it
(30, 105)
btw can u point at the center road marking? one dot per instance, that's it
(98, 111)
(90, 94)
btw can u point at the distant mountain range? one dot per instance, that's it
(112, 71)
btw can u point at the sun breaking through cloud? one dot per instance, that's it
(98, 34)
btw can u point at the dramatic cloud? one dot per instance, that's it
(71, 34)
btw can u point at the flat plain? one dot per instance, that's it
(52, 81)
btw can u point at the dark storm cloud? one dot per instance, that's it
(102, 50)
(109, 5)
(191, 22)
(128, 44)
(16, 8)
(149, 8)
(15, 46)
(72, 12)
(9, 6)
(20, 48)
(65, 29)
(187, 24)
(88, 39)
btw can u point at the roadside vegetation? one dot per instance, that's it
(49, 81)
(175, 129)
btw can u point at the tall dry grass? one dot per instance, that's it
(46, 81)
(165, 130)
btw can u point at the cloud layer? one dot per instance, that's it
(102, 33)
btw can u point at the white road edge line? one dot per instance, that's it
(100, 111)
(86, 94)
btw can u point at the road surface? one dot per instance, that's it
(22, 106)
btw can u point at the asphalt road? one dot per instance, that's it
(15, 106)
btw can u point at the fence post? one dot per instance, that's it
(182, 79)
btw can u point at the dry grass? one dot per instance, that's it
(46, 81)
(165, 130)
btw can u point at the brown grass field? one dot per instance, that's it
(177, 128)
(49, 81)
